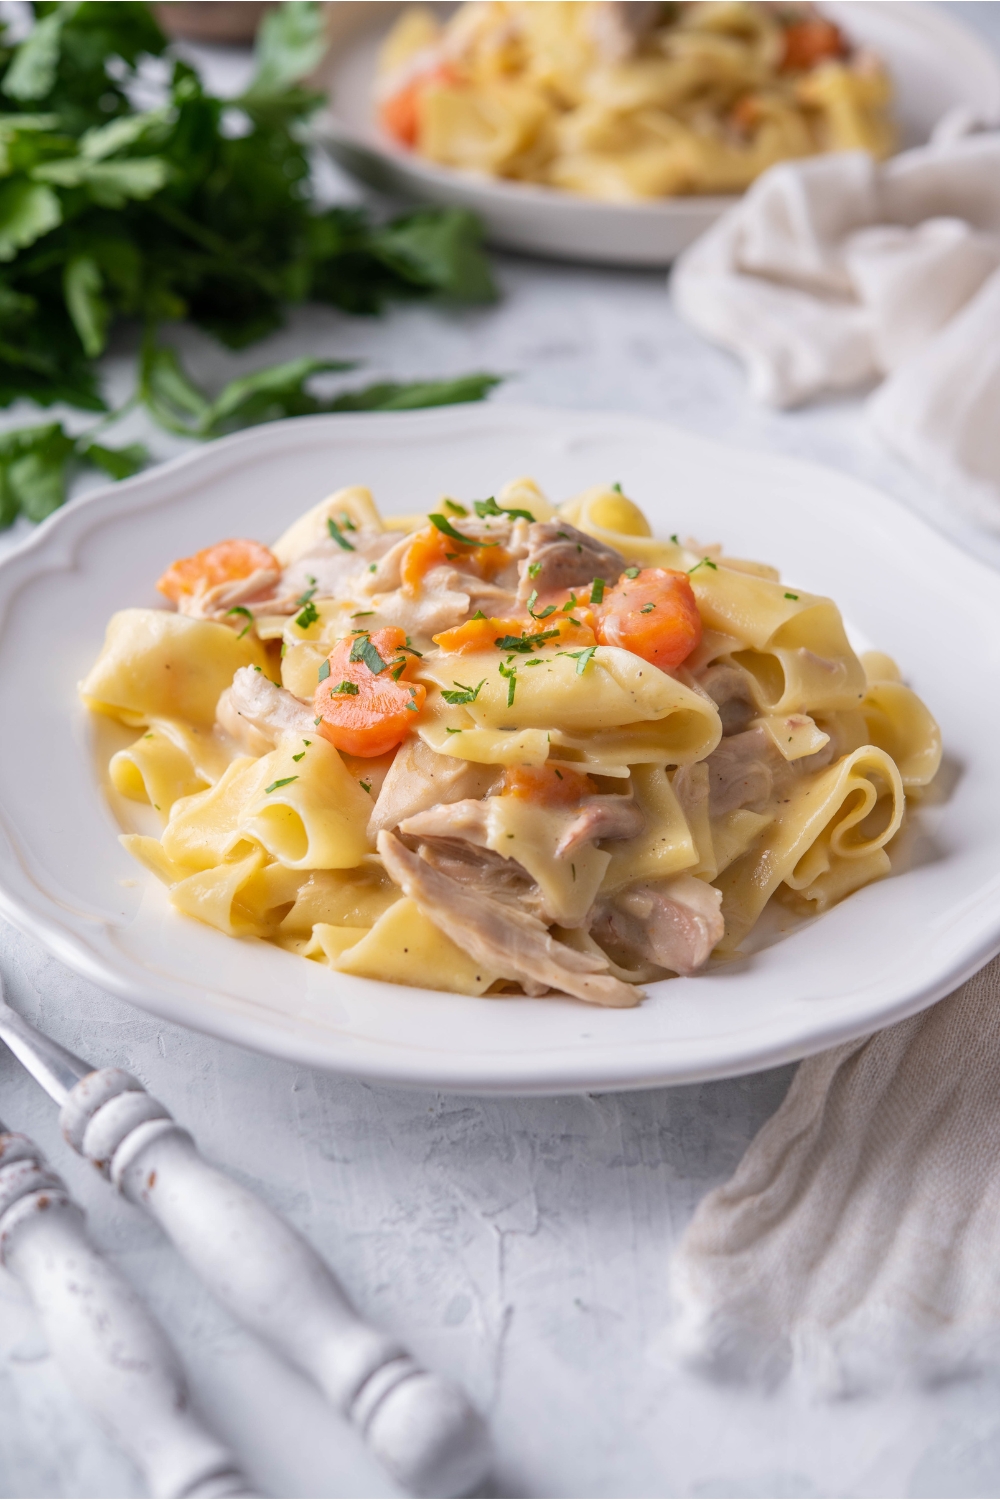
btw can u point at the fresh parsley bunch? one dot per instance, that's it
(197, 209)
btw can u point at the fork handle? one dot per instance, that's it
(419, 1426)
(114, 1356)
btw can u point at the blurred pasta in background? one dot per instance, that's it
(629, 101)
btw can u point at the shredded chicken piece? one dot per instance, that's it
(730, 691)
(509, 941)
(216, 603)
(614, 817)
(675, 923)
(491, 873)
(420, 779)
(748, 770)
(561, 557)
(255, 711)
(743, 771)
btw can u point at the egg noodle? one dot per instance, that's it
(503, 747)
(629, 101)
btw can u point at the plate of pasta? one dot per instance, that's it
(619, 132)
(502, 749)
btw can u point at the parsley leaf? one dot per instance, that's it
(363, 650)
(511, 674)
(324, 671)
(240, 609)
(464, 695)
(597, 591)
(706, 562)
(285, 781)
(489, 507)
(338, 536)
(345, 687)
(524, 643)
(443, 524)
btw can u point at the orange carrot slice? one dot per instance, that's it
(399, 115)
(551, 785)
(226, 562)
(654, 615)
(488, 633)
(811, 41)
(365, 703)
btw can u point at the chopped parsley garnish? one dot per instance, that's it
(571, 603)
(410, 647)
(791, 596)
(443, 524)
(412, 706)
(285, 781)
(647, 609)
(479, 615)
(338, 535)
(543, 614)
(318, 721)
(240, 609)
(511, 674)
(365, 786)
(299, 756)
(632, 572)
(359, 614)
(617, 487)
(464, 695)
(307, 616)
(706, 562)
(346, 521)
(582, 658)
(673, 538)
(489, 507)
(363, 650)
(284, 650)
(524, 643)
(350, 688)
(373, 567)
(324, 673)
(455, 508)
(452, 731)
(307, 594)
(597, 591)
(534, 569)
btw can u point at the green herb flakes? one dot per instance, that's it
(324, 673)
(463, 695)
(285, 781)
(338, 536)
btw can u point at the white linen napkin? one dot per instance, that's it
(858, 1243)
(835, 272)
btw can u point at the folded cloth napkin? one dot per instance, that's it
(858, 1242)
(835, 272)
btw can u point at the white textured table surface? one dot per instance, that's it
(521, 1245)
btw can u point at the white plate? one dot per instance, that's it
(884, 953)
(936, 64)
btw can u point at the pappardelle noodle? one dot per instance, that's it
(503, 746)
(629, 101)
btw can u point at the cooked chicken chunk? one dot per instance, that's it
(561, 557)
(742, 772)
(419, 779)
(675, 923)
(508, 940)
(258, 713)
(729, 690)
(614, 817)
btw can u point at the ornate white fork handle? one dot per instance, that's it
(114, 1356)
(418, 1425)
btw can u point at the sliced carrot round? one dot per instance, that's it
(226, 562)
(554, 786)
(399, 114)
(810, 41)
(654, 615)
(364, 701)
